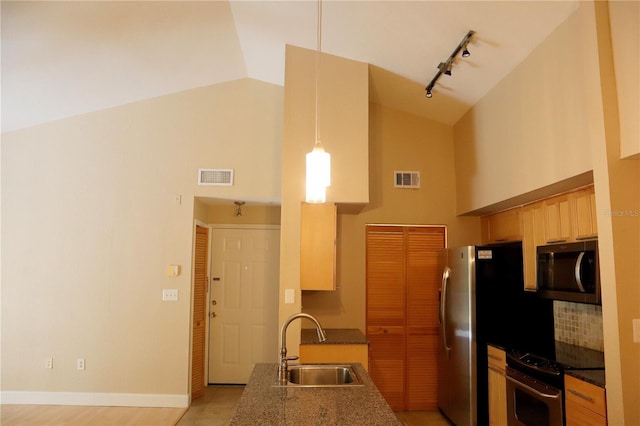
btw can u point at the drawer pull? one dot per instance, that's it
(580, 395)
(497, 370)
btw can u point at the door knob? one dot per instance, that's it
(212, 314)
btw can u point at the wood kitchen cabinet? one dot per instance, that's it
(585, 404)
(562, 218)
(502, 226)
(318, 246)
(497, 386)
(533, 235)
(558, 223)
(338, 353)
(583, 204)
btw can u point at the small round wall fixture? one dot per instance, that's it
(239, 205)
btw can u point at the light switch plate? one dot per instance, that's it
(289, 295)
(170, 294)
(173, 270)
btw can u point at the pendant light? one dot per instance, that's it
(318, 160)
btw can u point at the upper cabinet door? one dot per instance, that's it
(584, 213)
(318, 246)
(502, 226)
(533, 235)
(558, 219)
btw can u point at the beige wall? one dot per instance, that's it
(544, 124)
(398, 141)
(619, 211)
(90, 224)
(625, 31)
(343, 118)
(529, 131)
(251, 214)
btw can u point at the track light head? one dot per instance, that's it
(447, 70)
(428, 94)
(466, 53)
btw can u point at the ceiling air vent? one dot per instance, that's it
(215, 177)
(405, 179)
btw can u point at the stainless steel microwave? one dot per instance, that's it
(569, 272)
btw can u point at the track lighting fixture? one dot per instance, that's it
(445, 67)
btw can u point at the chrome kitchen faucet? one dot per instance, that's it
(283, 365)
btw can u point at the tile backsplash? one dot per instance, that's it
(578, 324)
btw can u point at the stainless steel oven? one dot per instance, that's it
(531, 402)
(535, 382)
(534, 391)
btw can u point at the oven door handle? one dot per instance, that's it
(534, 390)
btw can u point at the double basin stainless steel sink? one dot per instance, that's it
(322, 375)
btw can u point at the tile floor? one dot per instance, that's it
(217, 404)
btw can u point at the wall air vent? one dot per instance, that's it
(406, 179)
(215, 177)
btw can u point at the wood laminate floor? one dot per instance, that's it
(213, 409)
(68, 415)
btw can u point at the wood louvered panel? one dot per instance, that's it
(422, 367)
(199, 311)
(387, 364)
(385, 276)
(423, 275)
(424, 245)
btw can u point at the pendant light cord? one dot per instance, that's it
(318, 52)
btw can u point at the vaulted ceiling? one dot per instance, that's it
(65, 58)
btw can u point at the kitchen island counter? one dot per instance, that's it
(262, 403)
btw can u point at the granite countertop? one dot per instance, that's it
(335, 336)
(263, 404)
(595, 377)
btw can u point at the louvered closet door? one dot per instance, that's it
(402, 313)
(423, 281)
(199, 311)
(386, 311)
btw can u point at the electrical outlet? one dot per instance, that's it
(81, 364)
(49, 363)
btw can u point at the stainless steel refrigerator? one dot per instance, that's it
(482, 300)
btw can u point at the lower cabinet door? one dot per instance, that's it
(497, 397)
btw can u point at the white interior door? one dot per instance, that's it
(243, 302)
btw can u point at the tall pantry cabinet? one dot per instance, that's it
(403, 278)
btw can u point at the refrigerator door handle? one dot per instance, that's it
(443, 313)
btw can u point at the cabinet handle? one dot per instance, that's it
(497, 370)
(586, 237)
(580, 395)
(559, 240)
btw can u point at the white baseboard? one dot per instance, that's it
(96, 399)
